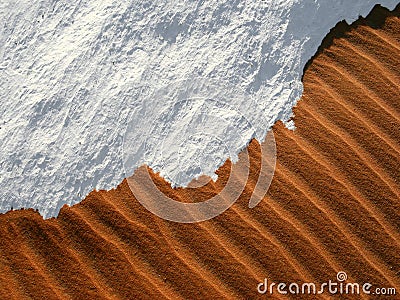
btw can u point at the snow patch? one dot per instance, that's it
(72, 76)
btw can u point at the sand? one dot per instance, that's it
(333, 205)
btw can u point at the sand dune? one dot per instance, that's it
(333, 205)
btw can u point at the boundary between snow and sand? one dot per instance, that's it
(74, 77)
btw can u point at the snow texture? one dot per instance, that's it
(193, 81)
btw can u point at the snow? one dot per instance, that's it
(91, 90)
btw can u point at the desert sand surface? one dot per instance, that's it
(333, 205)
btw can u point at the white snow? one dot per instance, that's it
(199, 79)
